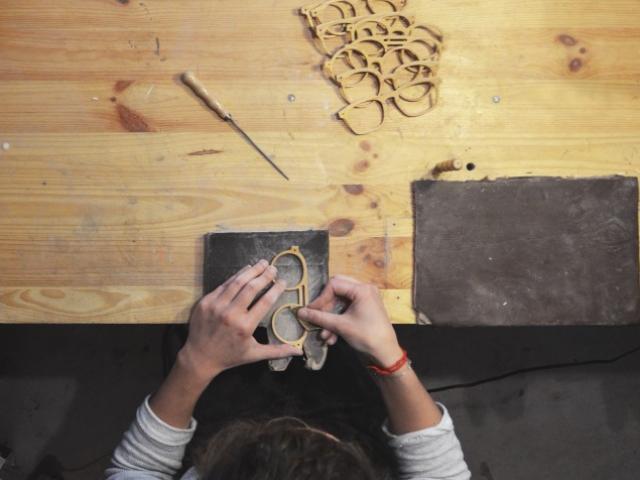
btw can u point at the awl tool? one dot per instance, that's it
(214, 104)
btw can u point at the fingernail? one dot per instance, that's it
(302, 312)
(324, 334)
(297, 351)
(263, 263)
(272, 269)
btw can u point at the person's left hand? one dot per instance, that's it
(222, 324)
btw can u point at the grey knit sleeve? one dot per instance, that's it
(430, 454)
(150, 449)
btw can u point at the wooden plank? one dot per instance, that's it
(226, 253)
(131, 304)
(163, 160)
(167, 106)
(115, 171)
(106, 304)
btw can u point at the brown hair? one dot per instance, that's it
(285, 448)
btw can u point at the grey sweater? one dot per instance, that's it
(151, 449)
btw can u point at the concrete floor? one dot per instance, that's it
(68, 392)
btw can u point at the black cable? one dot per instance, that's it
(537, 368)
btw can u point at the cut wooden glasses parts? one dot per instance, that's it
(377, 57)
(285, 311)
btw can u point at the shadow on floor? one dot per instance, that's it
(68, 393)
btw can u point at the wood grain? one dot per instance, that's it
(115, 170)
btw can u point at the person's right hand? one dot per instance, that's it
(364, 325)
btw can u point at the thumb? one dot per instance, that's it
(273, 352)
(326, 320)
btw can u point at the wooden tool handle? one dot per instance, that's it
(448, 166)
(194, 84)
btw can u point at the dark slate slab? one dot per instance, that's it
(527, 251)
(228, 252)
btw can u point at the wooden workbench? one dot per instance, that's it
(115, 171)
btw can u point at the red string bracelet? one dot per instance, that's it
(386, 371)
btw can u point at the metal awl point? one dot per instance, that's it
(255, 145)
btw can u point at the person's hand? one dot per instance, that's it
(222, 324)
(364, 325)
